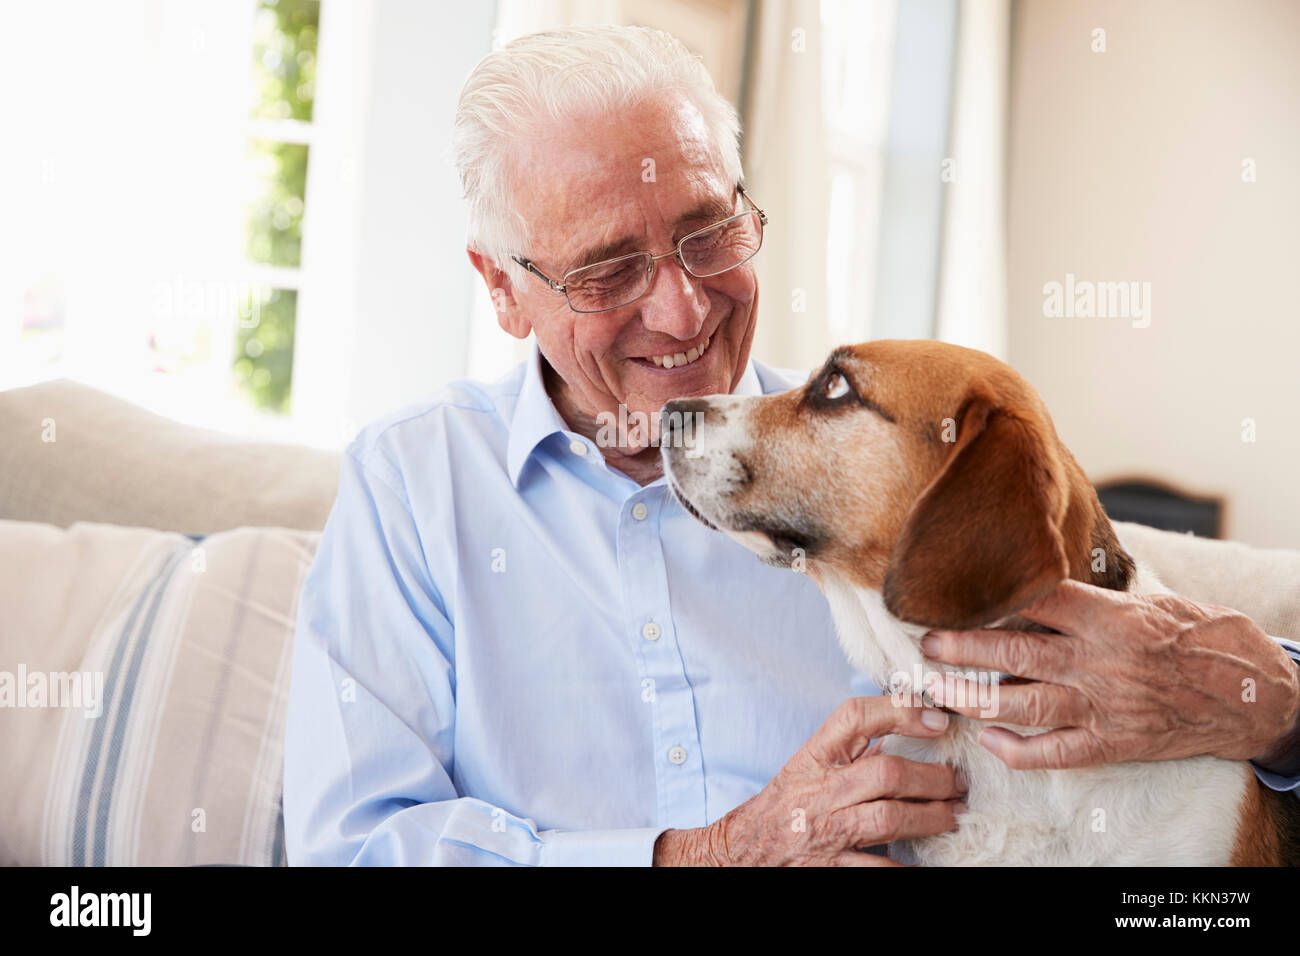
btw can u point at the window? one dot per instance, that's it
(154, 235)
(279, 144)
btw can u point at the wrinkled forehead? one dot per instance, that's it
(614, 169)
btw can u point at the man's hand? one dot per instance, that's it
(1135, 677)
(835, 795)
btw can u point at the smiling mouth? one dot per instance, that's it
(672, 360)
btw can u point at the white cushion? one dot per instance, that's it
(113, 462)
(1264, 584)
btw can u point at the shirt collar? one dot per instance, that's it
(535, 417)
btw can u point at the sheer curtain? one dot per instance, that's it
(874, 135)
(972, 299)
(788, 170)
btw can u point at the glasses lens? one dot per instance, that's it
(723, 246)
(607, 285)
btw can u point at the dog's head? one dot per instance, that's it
(924, 471)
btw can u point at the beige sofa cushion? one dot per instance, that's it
(1263, 584)
(116, 463)
(192, 645)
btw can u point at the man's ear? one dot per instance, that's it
(502, 290)
(983, 540)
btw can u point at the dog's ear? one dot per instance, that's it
(983, 540)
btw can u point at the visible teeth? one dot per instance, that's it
(676, 359)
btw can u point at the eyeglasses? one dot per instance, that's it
(617, 282)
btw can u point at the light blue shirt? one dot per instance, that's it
(508, 652)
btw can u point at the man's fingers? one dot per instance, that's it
(1054, 750)
(888, 776)
(1022, 653)
(883, 821)
(1072, 606)
(846, 733)
(1029, 705)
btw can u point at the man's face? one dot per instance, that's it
(634, 182)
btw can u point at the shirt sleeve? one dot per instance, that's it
(1275, 781)
(371, 713)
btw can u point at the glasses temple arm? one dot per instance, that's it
(528, 264)
(762, 216)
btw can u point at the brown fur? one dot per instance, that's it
(996, 499)
(1268, 831)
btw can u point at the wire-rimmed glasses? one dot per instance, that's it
(614, 283)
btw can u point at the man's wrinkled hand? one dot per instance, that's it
(834, 797)
(1130, 677)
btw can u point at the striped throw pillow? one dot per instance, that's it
(143, 682)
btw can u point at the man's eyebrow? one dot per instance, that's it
(607, 251)
(705, 212)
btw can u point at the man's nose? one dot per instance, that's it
(677, 303)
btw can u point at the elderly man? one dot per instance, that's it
(515, 647)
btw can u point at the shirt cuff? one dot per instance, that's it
(599, 847)
(1275, 781)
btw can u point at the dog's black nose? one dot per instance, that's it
(673, 415)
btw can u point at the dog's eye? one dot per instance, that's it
(835, 386)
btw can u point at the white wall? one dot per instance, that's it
(388, 291)
(1127, 165)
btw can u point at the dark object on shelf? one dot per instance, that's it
(1158, 505)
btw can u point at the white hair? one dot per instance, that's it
(558, 75)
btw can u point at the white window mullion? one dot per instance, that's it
(281, 130)
(277, 277)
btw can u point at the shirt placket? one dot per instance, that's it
(664, 688)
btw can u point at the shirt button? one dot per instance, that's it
(651, 631)
(577, 447)
(639, 511)
(677, 755)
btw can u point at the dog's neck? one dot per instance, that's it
(888, 649)
(876, 642)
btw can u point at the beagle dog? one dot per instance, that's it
(922, 485)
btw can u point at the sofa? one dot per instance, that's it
(149, 575)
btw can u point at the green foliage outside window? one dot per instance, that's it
(264, 362)
(274, 223)
(283, 88)
(284, 59)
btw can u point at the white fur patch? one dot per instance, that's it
(1158, 813)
